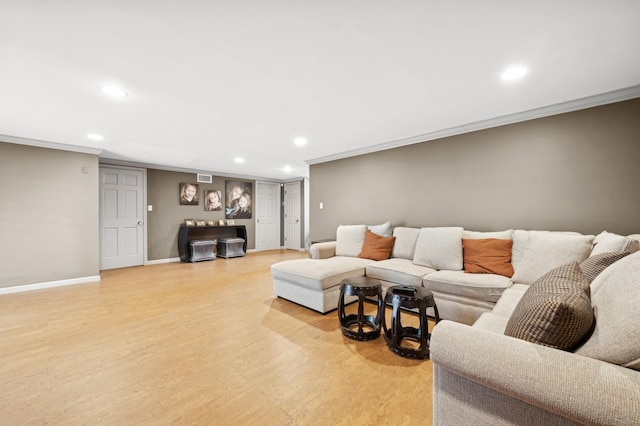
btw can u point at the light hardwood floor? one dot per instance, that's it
(204, 343)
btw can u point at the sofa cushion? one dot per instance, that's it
(608, 242)
(594, 265)
(439, 248)
(489, 321)
(486, 287)
(383, 229)
(615, 296)
(319, 274)
(547, 250)
(555, 311)
(376, 247)
(399, 271)
(405, 244)
(475, 235)
(521, 240)
(509, 300)
(349, 240)
(487, 256)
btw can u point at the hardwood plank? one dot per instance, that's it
(202, 343)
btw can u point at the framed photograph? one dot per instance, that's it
(189, 222)
(221, 222)
(213, 200)
(201, 223)
(238, 204)
(189, 194)
(231, 222)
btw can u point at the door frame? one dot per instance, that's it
(145, 258)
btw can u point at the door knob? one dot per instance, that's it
(140, 223)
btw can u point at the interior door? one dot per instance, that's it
(267, 216)
(292, 215)
(121, 217)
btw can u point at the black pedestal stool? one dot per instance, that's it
(409, 297)
(360, 326)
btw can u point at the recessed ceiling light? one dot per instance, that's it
(287, 169)
(513, 73)
(115, 91)
(239, 160)
(95, 137)
(300, 141)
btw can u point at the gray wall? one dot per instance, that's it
(167, 215)
(48, 215)
(578, 171)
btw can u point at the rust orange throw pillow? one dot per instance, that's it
(376, 247)
(487, 256)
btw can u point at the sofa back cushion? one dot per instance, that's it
(405, 244)
(615, 297)
(545, 251)
(608, 242)
(475, 235)
(349, 240)
(439, 248)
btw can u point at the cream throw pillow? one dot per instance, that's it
(383, 229)
(606, 242)
(439, 248)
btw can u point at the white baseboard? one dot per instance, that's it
(49, 284)
(159, 261)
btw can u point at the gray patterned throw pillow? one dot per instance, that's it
(592, 266)
(555, 311)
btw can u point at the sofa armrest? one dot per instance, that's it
(322, 250)
(583, 389)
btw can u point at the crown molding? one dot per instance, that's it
(126, 163)
(547, 111)
(51, 145)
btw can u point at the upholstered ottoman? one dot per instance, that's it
(230, 247)
(315, 283)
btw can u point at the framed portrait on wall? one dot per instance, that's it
(238, 203)
(213, 200)
(189, 194)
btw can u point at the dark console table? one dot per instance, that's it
(190, 233)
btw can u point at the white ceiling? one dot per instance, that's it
(212, 80)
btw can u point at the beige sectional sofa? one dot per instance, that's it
(482, 375)
(428, 257)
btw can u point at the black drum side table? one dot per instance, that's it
(368, 326)
(409, 297)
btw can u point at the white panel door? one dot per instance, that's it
(267, 216)
(292, 215)
(121, 218)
